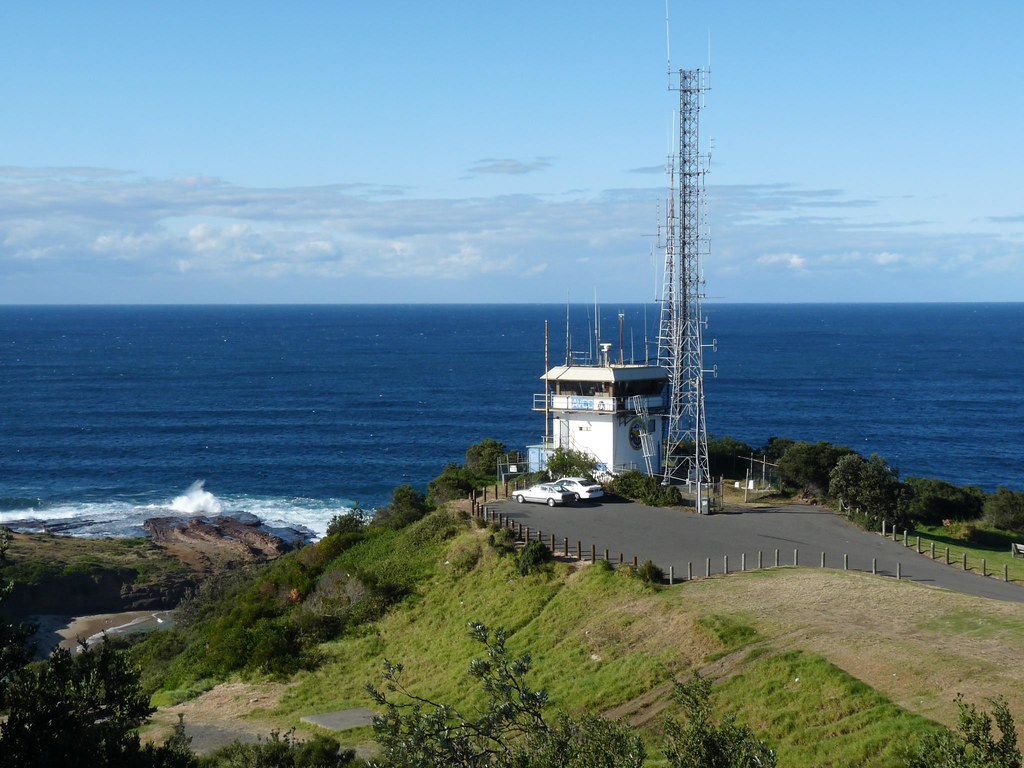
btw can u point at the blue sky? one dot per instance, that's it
(452, 151)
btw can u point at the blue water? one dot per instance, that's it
(109, 414)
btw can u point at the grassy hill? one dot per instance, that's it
(833, 668)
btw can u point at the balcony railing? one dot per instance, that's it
(596, 403)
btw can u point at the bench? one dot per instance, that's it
(1016, 549)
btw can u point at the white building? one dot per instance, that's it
(611, 412)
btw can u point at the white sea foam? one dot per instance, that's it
(120, 518)
(197, 501)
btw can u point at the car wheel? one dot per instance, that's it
(577, 496)
(551, 502)
(520, 498)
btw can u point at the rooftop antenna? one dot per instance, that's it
(668, 49)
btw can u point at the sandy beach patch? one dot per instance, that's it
(68, 631)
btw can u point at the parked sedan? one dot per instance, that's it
(580, 488)
(545, 493)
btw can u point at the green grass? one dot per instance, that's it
(814, 714)
(991, 545)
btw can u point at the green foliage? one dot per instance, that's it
(649, 573)
(568, 462)
(510, 731)
(15, 651)
(406, 507)
(728, 457)
(503, 540)
(532, 556)
(646, 489)
(80, 710)
(482, 458)
(1004, 509)
(464, 554)
(453, 483)
(808, 465)
(279, 751)
(872, 488)
(5, 542)
(936, 500)
(776, 448)
(354, 521)
(700, 742)
(973, 745)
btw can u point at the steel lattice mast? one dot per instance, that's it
(680, 343)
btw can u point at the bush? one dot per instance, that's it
(646, 489)
(727, 457)
(406, 507)
(350, 522)
(533, 555)
(649, 573)
(571, 463)
(282, 752)
(453, 483)
(959, 529)
(808, 465)
(873, 489)
(935, 501)
(503, 540)
(1004, 510)
(482, 458)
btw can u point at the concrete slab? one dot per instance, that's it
(343, 719)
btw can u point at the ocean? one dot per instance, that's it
(109, 415)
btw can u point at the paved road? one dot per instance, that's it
(675, 538)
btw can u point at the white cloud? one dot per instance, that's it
(792, 260)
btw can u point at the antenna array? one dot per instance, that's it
(680, 341)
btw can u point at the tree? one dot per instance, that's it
(807, 465)
(279, 751)
(482, 458)
(728, 457)
(936, 500)
(79, 710)
(353, 521)
(871, 488)
(1004, 509)
(509, 732)
(973, 745)
(454, 482)
(406, 507)
(569, 462)
(15, 650)
(700, 742)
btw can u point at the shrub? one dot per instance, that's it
(503, 540)
(873, 488)
(1004, 510)
(533, 555)
(646, 489)
(482, 458)
(350, 522)
(406, 507)
(649, 573)
(453, 483)
(808, 465)
(959, 529)
(571, 463)
(935, 500)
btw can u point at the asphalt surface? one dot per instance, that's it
(673, 537)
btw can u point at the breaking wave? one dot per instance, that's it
(120, 518)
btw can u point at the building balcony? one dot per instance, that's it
(595, 403)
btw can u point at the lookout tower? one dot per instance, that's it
(612, 412)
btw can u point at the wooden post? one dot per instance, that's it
(579, 550)
(933, 550)
(526, 536)
(671, 575)
(593, 553)
(760, 560)
(965, 561)
(689, 571)
(899, 572)
(634, 561)
(552, 543)
(776, 558)
(1006, 572)
(846, 562)
(883, 527)
(919, 545)
(743, 561)
(822, 559)
(984, 567)
(565, 547)
(947, 555)
(796, 557)
(726, 565)
(904, 537)
(485, 494)
(874, 566)
(707, 568)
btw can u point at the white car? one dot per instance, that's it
(580, 488)
(545, 493)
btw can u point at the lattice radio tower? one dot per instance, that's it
(680, 339)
